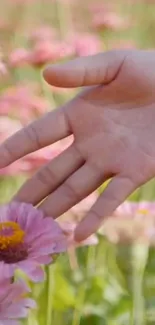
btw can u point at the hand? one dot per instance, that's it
(113, 124)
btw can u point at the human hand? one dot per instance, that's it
(113, 124)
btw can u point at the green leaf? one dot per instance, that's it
(64, 293)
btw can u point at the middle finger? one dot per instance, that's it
(50, 176)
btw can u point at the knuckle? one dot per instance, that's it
(85, 77)
(96, 168)
(128, 180)
(33, 136)
(97, 215)
(112, 198)
(137, 177)
(47, 177)
(71, 193)
(8, 151)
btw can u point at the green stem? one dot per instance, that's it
(138, 300)
(79, 304)
(91, 261)
(139, 260)
(64, 18)
(50, 276)
(31, 320)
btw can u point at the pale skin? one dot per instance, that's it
(113, 124)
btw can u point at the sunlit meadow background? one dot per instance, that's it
(111, 283)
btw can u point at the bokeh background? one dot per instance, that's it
(110, 280)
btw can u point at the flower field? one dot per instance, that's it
(109, 279)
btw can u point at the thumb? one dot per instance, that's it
(86, 71)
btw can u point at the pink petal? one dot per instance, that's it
(34, 271)
(15, 311)
(6, 270)
(43, 260)
(27, 265)
(37, 275)
(20, 309)
(44, 227)
(48, 247)
(9, 322)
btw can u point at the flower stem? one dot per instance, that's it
(50, 276)
(79, 304)
(90, 266)
(139, 260)
(63, 13)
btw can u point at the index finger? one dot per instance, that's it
(46, 130)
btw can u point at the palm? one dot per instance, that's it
(115, 130)
(112, 122)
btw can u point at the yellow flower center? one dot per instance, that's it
(10, 235)
(143, 211)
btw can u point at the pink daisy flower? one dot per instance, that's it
(28, 240)
(131, 222)
(14, 303)
(136, 208)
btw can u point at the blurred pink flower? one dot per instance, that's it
(131, 222)
(3, 69)
(135, 209)
(46, 51)
(68, 230)
(66, 49)
(28, 240)
(96, 7)
(80, 209)
(14, 305)
(17, 168)
(36, 159)
(30, 163)
(8, 127)
(22, 102)
(18, 57)
(43, 33)
(86, 44)
(109, 20)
